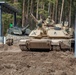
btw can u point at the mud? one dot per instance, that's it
(15, 62)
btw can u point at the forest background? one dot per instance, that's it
(58, 10)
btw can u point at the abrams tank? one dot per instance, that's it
(48, 36)
(17, 31)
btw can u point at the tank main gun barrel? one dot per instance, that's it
(25, 27)
(34, 18)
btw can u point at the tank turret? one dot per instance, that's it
(17, 30)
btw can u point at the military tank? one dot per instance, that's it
(17, 31)
(48, 36)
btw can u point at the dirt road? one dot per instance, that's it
(15, 62)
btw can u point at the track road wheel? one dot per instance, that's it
(9, 42)
(56, 47)
(64, 47)
(23, 47)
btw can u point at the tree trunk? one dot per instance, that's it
(31, 11)
(70, 13)
(37, 9)
(58, 14)
(53, 13)
(43, 6)
(23, 14)
(56, 11)
(61, 10)
(49, 8)
(15, 1)
(28, 9)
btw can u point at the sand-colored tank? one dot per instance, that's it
(48, 36)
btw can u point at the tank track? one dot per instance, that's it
(56, 48)
(23, 47)
(64, 47)
(60, 47)
(16, 38)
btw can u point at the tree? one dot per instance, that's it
(56, 4)
(28, 9)
(51, 8)
(61, 10)
(37, 9)
(70, 12)
(23, 14)
(15, 1)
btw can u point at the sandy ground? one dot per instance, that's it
(15, 62)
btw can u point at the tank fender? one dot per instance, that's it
(55, 42)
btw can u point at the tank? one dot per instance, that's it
(15, 31)
(48, 36)
(19, 31)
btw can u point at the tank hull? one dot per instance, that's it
(36, 44)
(50, 44)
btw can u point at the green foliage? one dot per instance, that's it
(17, 5)
(43, 12)
(6, 20)
(51, 1)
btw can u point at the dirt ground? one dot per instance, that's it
(15, 62)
